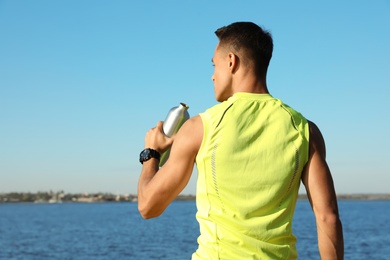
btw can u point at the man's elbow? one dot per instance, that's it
(146, 211)
(331, 218)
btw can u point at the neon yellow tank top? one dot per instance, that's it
(249, 168)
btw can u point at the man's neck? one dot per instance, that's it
(250, 84)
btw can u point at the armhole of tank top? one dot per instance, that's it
(307, 138)
(205, 123)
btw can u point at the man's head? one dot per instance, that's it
(244, 49)
(249, 42)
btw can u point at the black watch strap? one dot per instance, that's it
(148, 154)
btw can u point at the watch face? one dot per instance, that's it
(148, 154)
(145, 155)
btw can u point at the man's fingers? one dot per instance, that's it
(159, 124)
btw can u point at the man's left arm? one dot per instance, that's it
(318, 181)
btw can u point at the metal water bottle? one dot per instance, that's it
(174, 120)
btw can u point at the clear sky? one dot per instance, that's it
(82, 81)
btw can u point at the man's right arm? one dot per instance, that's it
(158, 187)
(319, 186)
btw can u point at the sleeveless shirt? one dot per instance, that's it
(249, 166)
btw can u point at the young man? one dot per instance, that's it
(251, 151)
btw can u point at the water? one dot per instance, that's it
(116, 231)
(365, 226)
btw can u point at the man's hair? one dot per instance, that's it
(250, 40)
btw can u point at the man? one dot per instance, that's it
(251, 152)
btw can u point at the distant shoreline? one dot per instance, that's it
(59, 197)
(356, 196)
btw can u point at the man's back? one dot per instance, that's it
(249, 164)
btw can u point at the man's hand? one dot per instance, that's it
(157, 140)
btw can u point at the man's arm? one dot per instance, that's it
(318, 181)
(157, 188)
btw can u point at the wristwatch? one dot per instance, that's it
(147, 154)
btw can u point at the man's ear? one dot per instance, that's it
(234, 62)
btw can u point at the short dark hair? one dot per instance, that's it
(250, 40)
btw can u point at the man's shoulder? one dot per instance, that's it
(317, 142)
(220, 107)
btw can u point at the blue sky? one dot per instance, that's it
(82, 81)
